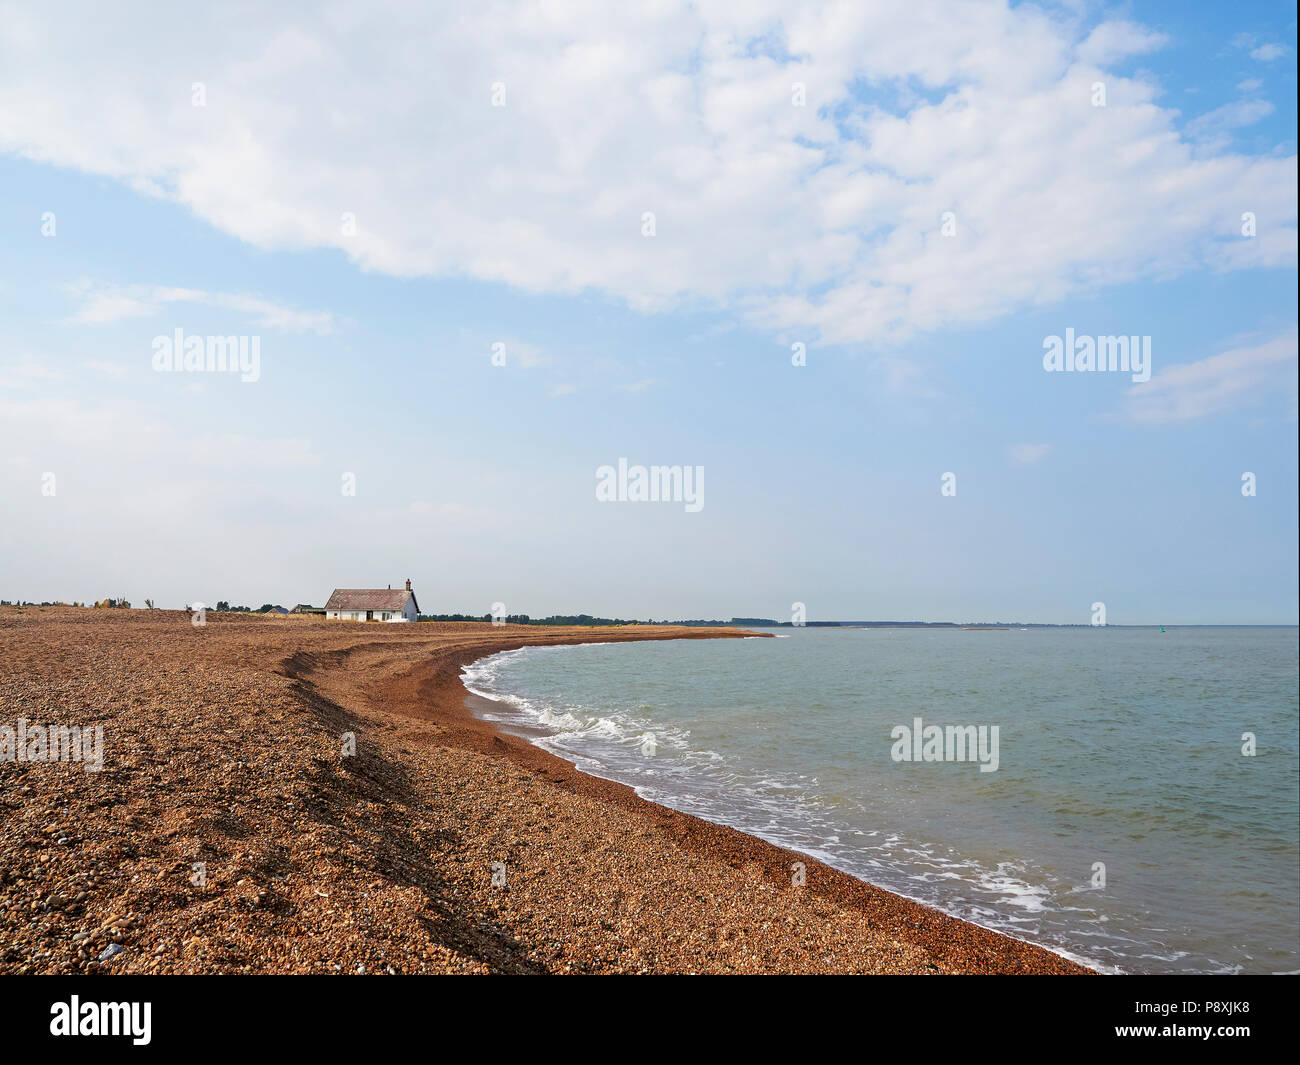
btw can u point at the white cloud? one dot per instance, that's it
(112, 370)
(1266, 53)
(1217, 384)
(1215, 126)
(903, 377)
(102, 308)
(27, 372)
(527, 355)
(1113, 41)
(1029, 453)
(102, 304)
(823, 218)
(242, 451)
(85, 435)
(448, 510)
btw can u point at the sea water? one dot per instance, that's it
(1123, 827)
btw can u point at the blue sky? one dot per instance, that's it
(774, 225)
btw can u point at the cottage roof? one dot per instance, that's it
(393, 599)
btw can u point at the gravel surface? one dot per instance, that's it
(231, 829)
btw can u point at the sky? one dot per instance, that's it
(815, 250)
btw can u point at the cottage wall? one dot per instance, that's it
(408, 613)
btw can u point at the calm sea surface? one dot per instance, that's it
(1118, 746)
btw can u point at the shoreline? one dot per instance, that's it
(532, 733)
(444, 698)
(300, 796)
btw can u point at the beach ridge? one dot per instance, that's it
(441, 695)
(292, 795)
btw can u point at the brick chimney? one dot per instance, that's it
(408, 584)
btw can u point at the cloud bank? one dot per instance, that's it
(948, 164)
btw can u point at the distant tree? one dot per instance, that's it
(149, 603)
(222, 605)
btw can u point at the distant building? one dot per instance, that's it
(307, 608)
(373, 604)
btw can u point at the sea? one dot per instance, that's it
(1143, 815)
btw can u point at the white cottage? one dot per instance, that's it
(373, 604)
